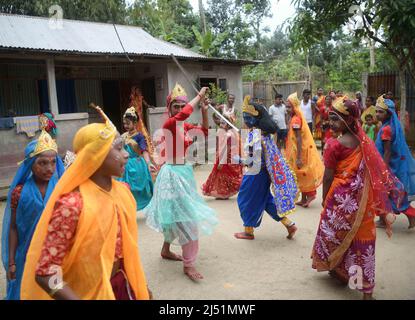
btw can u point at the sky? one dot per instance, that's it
(281, 11)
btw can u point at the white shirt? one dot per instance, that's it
(306, 109)
(228, 112)
(277, 114)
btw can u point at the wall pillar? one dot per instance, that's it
(53, 96)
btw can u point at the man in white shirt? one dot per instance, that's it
(278, 115)
(308, 107)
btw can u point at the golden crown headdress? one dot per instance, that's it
(131, 112)
(177, 92)
(248, 108)
(43, 122)
(109, 129)
(340, 107)
(44, 143)
(380, 103)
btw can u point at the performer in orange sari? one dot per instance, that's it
(319, 100)
(301, 153)
(225, 178)
(85, 245)
(357, 186)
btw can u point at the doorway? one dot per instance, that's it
(111, 101)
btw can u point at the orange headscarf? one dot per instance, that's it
(88, 265)
(310, 176)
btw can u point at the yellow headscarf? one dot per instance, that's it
(310, 176)
(92, 144)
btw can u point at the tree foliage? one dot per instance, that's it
(227, 19)
(390, 23)
(168, 20)
(91, 10)
(337, 58)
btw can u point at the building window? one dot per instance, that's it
(207, 82)
(65, 90)
(223, 85)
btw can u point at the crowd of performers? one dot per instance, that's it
(70, 230)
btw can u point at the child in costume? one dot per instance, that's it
(29, 192)
(267, 168)
(225, 178)
(137, 171)
(176, 209)
(85, 245)
(137, 102)
(393, 148)
(47, 123)
(302, 154)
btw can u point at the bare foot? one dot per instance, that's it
(244, 236)
(309, 200)
(300, 203)
(411, 222)
(291, 231)
(192, 273)
(303, 200)
(380, 223)
(171, 256)
(368, 296)
(334, 275)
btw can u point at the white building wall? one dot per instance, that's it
(232, 74)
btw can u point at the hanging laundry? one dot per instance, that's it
(28, 125)
(6, 123)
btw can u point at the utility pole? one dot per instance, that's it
(202, 17)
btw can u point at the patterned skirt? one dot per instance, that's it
(139, 179)
(223, 183)
(176, 209)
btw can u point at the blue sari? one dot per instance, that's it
(401, 162)
(28, 212)
(137, 174)
(268, 186)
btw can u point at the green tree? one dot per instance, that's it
(208, 43)
(256, 11)
(390, 23)
(277, 45)
(226, 18)
(92, 10)
(169, 20)
(285, 68)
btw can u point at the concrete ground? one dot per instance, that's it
(270, 267)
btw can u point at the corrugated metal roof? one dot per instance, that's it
(35, 33)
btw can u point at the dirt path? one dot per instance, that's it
(270, 267)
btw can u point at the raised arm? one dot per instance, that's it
(187, 110)
(200, 96)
